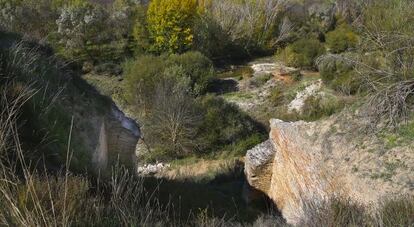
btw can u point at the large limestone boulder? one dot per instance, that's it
(304, 165)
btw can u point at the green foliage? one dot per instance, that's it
(141, 78)
(302, 53)
(340, 75)
(317, 107)
(407, 131)
(197, 67)
(45, 118)
(237, 29)
(240, 147)
(163, 89)
(390, 16)
(277, 96)
(170, 24)
(140, 31)
(91, 33)
(223, 124)
(144, 74)
(31, 17)
(341, 39)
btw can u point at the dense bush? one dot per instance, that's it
(339, 74)
(78, 29)
(33, 18)
(237, 28)
(181, 126)
(386, 62)
(302, 53)
(92, 33)
(341, 39)
(143, 75)
(139, 30)
(163, 89)
(141, 78)
(224, 124)
(197, 67)
(317, 107)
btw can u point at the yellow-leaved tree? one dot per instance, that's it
(170, 24)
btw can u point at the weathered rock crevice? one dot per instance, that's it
(289, 174)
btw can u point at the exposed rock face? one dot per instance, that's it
(288, 170)
(312, 90)
(306, 164)
(259, 165)
(117, 140)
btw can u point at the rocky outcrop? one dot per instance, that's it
(313, 90)
(117, 140)
(288, 170)
(303, 165)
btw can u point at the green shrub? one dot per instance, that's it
(240, 147)
(302, 53)
(141, 79)
(146, 72)
(198, 67)
(317, 107)
(260, 80)
(277, 96)
(340, 75)
(223, 124)
(341, 39)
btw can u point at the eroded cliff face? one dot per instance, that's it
(115, 141)
(303, 165)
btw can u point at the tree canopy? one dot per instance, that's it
(170, 24)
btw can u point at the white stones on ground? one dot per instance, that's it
(263, 68)
(152, 169)
(312, 90)
(260, 69)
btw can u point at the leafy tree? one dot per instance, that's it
(33, 18)
(92, 33)
(170, 24)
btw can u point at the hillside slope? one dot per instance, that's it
(64, 109)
